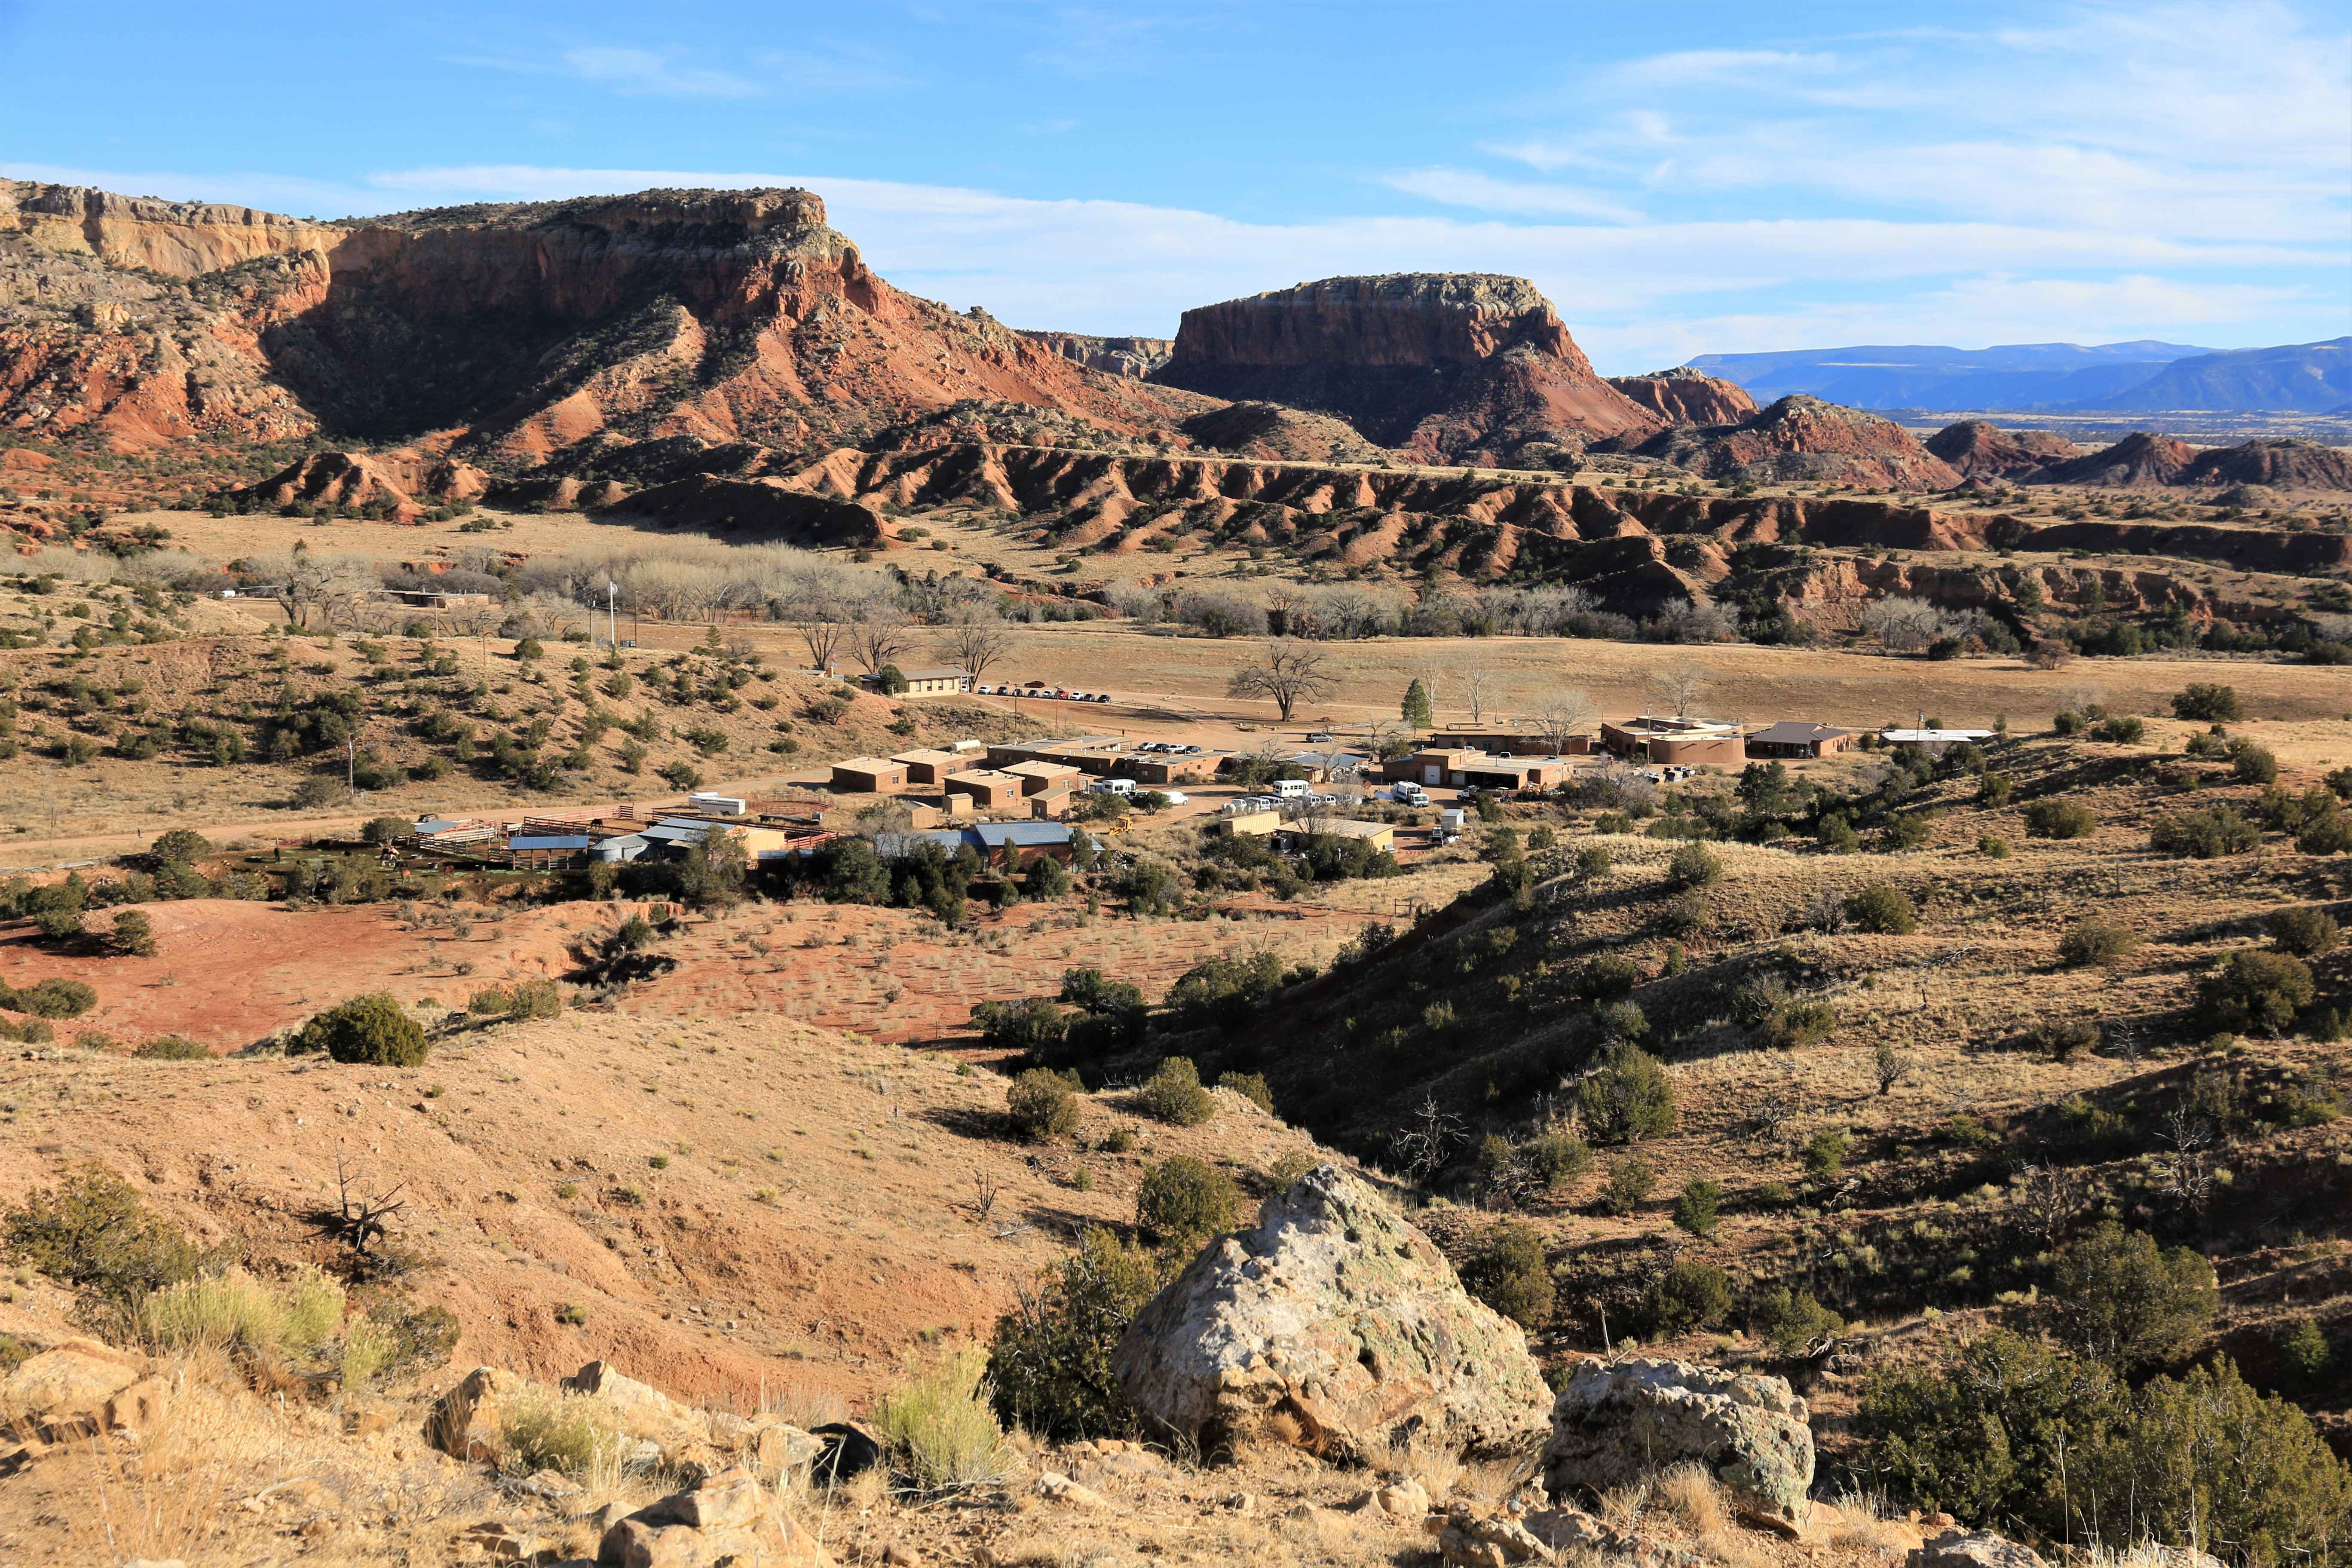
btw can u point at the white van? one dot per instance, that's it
(1289, 789)
(1112, 786)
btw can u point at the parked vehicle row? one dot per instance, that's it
(1039, 688)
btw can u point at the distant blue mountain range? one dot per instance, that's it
(2052, 378)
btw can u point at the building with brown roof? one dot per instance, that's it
(1791, 738)
(1674, 743)
(989, 790)
(929, 768)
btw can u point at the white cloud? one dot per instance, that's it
(651, 73)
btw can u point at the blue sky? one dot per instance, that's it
(1679, 178)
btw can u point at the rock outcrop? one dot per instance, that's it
(728, 1521)
(76, 1388)
(527, 328)
(1974, 1549)
(1803, 438)
(2281, 465)
(1980, 449)
(1686, 397)
(1449, 367)
(1136, 357)
(1615, 1422)
(1333, 1325)
(2140, 460)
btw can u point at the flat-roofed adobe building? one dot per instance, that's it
(989, 789)
(936, 682)
(927, 769)
(869, 775)
(1675, 742)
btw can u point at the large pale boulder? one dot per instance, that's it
(1974, 1549)
(1614, 1422)
(728, 1521)
(1335, 1325)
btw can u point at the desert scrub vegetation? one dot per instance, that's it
(1041, 1105)
(2008, 1431)
(1506, 1270)
(2096, 940)
(1049, 1359)
(1627, 1096)
(1183, 1203)
(92, 1231)
(940, 1428)
(373, 1029)
(232, 1310)
(1174, 1094)
(2060, 818)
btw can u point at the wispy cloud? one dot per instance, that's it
(652, 73)
(1468, 188)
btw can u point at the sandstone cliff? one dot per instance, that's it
(1686, 397)
(1138, 357)
(1804, 438)
(1448, 367)
(526, 327)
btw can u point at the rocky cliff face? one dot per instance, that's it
(1686, 397)
(1804, 438)
(1448, 367)
(1138, 357)
(527, 328)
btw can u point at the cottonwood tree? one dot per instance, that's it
(878, 636)
(1289, 673)
(304, 584)
(1679, 684)
(1563, 714)
(977, 639)
(1474, 689)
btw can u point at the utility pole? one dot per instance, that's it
(613, 617)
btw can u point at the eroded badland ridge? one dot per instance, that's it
(1399, 953)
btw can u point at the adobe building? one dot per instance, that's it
(869, 775)
(927, 769)
(1675, 742)
(936, 682)
(988, 790)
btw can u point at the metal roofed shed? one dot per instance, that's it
(622, 847)
(1791, 738)
(550, 841)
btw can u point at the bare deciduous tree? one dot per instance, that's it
(1475, 681)
(1290, 672)
(878, 636)
(1679, 684)
(977, 639)
(303, 583)
(1563, 714)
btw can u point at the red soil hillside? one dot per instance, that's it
(1980, 449)
(1802, 438)
(1448, 367)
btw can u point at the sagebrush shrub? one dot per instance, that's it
(1883, 910)
(2096, 940)
(2059, 819)
(92, 1231)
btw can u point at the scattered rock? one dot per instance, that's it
(1406, 1499)
(775, 1447)
(1490, 1543)
(1054, 1487)
(464, 1422)
(728, 1521)
(69, 1390)
(1326, 1526)
(1335, 1325)
(1614, 1422)
(899, 1556)
(1972, 1549)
